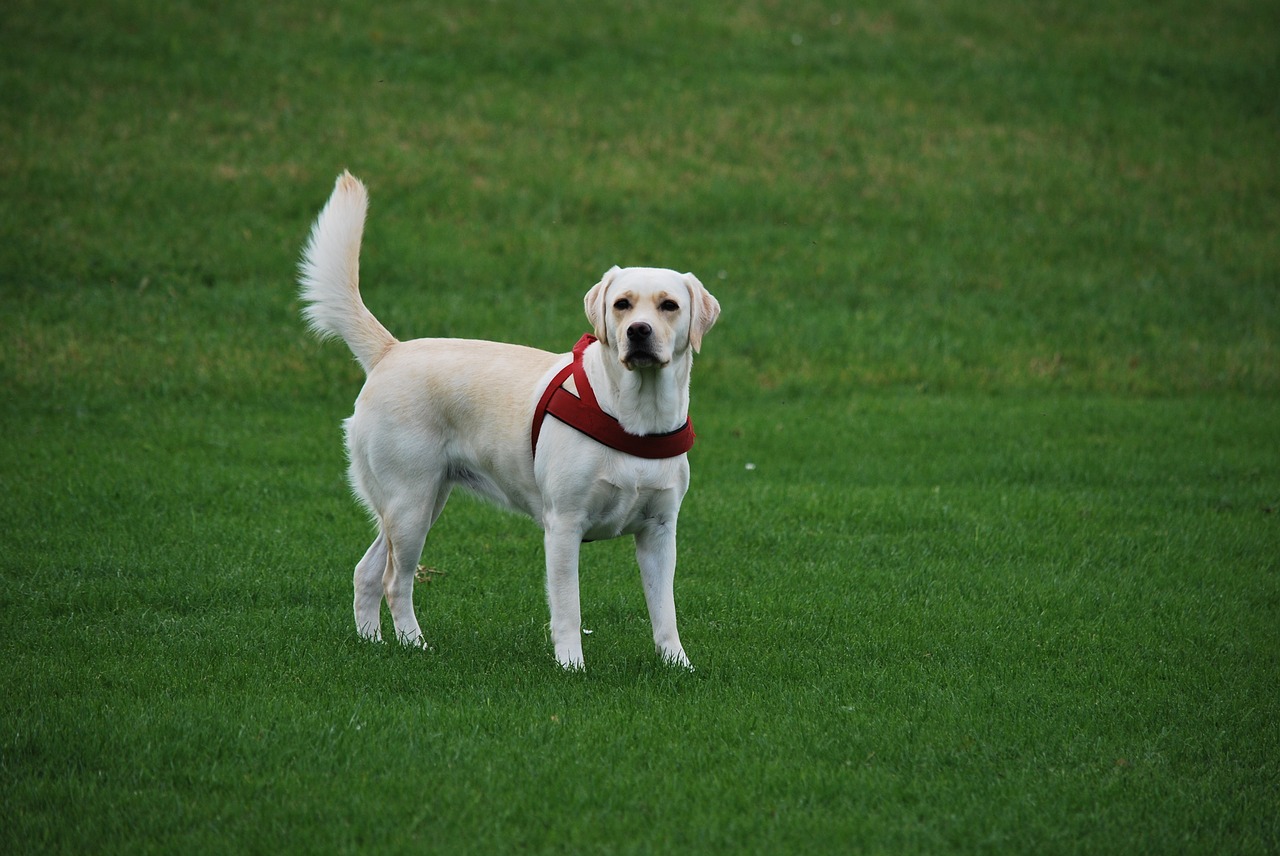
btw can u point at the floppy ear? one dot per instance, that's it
(594, 304)
(706, 309)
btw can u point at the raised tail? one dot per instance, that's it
(330, 275)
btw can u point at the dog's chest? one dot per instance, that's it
(620, 506)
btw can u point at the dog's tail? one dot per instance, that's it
(330, 275)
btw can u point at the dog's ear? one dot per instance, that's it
(705, 309)
(594, 304)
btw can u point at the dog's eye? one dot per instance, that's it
(669, 306)
(622, 305)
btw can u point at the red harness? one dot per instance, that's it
(583, 413)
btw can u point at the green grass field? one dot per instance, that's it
(982, 553)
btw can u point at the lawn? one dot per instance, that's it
(982, 553)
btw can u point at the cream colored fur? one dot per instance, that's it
(436, 414)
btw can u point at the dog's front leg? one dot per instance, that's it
(562, 544)
(656, 555)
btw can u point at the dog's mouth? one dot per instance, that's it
(640, 359)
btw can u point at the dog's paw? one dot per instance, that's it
(416, 641)
(676, 657)
(571, 661)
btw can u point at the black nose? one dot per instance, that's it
(639, 330)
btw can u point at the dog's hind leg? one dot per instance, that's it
(368, 589)
(406, 530)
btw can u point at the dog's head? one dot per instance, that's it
(647, 316)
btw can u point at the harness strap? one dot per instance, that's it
(541, 413)
(582, 412)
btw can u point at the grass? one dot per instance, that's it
(999, 344)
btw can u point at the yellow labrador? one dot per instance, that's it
(440, 413)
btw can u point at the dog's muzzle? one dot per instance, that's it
(640, 353)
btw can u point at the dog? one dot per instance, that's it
(435, 414)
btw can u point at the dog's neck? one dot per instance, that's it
(644, 401)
